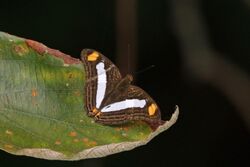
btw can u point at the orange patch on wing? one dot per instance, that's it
(152, 109)
(73, 134)
(93, 56)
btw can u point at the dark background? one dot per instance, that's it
(211, 130)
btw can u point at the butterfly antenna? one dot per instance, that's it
(128, 63)
(144, 70)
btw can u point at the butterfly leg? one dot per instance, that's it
(96, 113)
(93, 112)
(97, 116)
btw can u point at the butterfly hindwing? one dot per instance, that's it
(136, 104)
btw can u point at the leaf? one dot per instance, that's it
(42, 110)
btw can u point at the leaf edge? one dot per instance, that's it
(98, 151)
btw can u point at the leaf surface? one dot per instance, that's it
(42, 110)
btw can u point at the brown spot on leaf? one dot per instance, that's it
(58, 142)
(73, 134)
(42, 49)
(125, 129)
(21, 49)
(34, 92)
(8, 146)
(77, 93)
(85, 139)
(141, 133)
(92, 143)
(118, 129)
(70, 75)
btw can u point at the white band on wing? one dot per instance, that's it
(128, 103)
(101, 83)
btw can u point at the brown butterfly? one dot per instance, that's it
(111, 99)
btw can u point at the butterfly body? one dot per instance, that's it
(110, 98)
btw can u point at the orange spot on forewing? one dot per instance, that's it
(93, 56)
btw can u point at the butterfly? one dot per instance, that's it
(110, 98)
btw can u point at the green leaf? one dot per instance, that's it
(42, 110)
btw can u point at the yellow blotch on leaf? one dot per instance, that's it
(70, 75)
(92, 143)
(89, 143)
(77, 93)
(8, 132)
(152, 109)
(93, 56)
(76, 140)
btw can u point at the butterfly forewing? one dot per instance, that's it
(98, 68)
